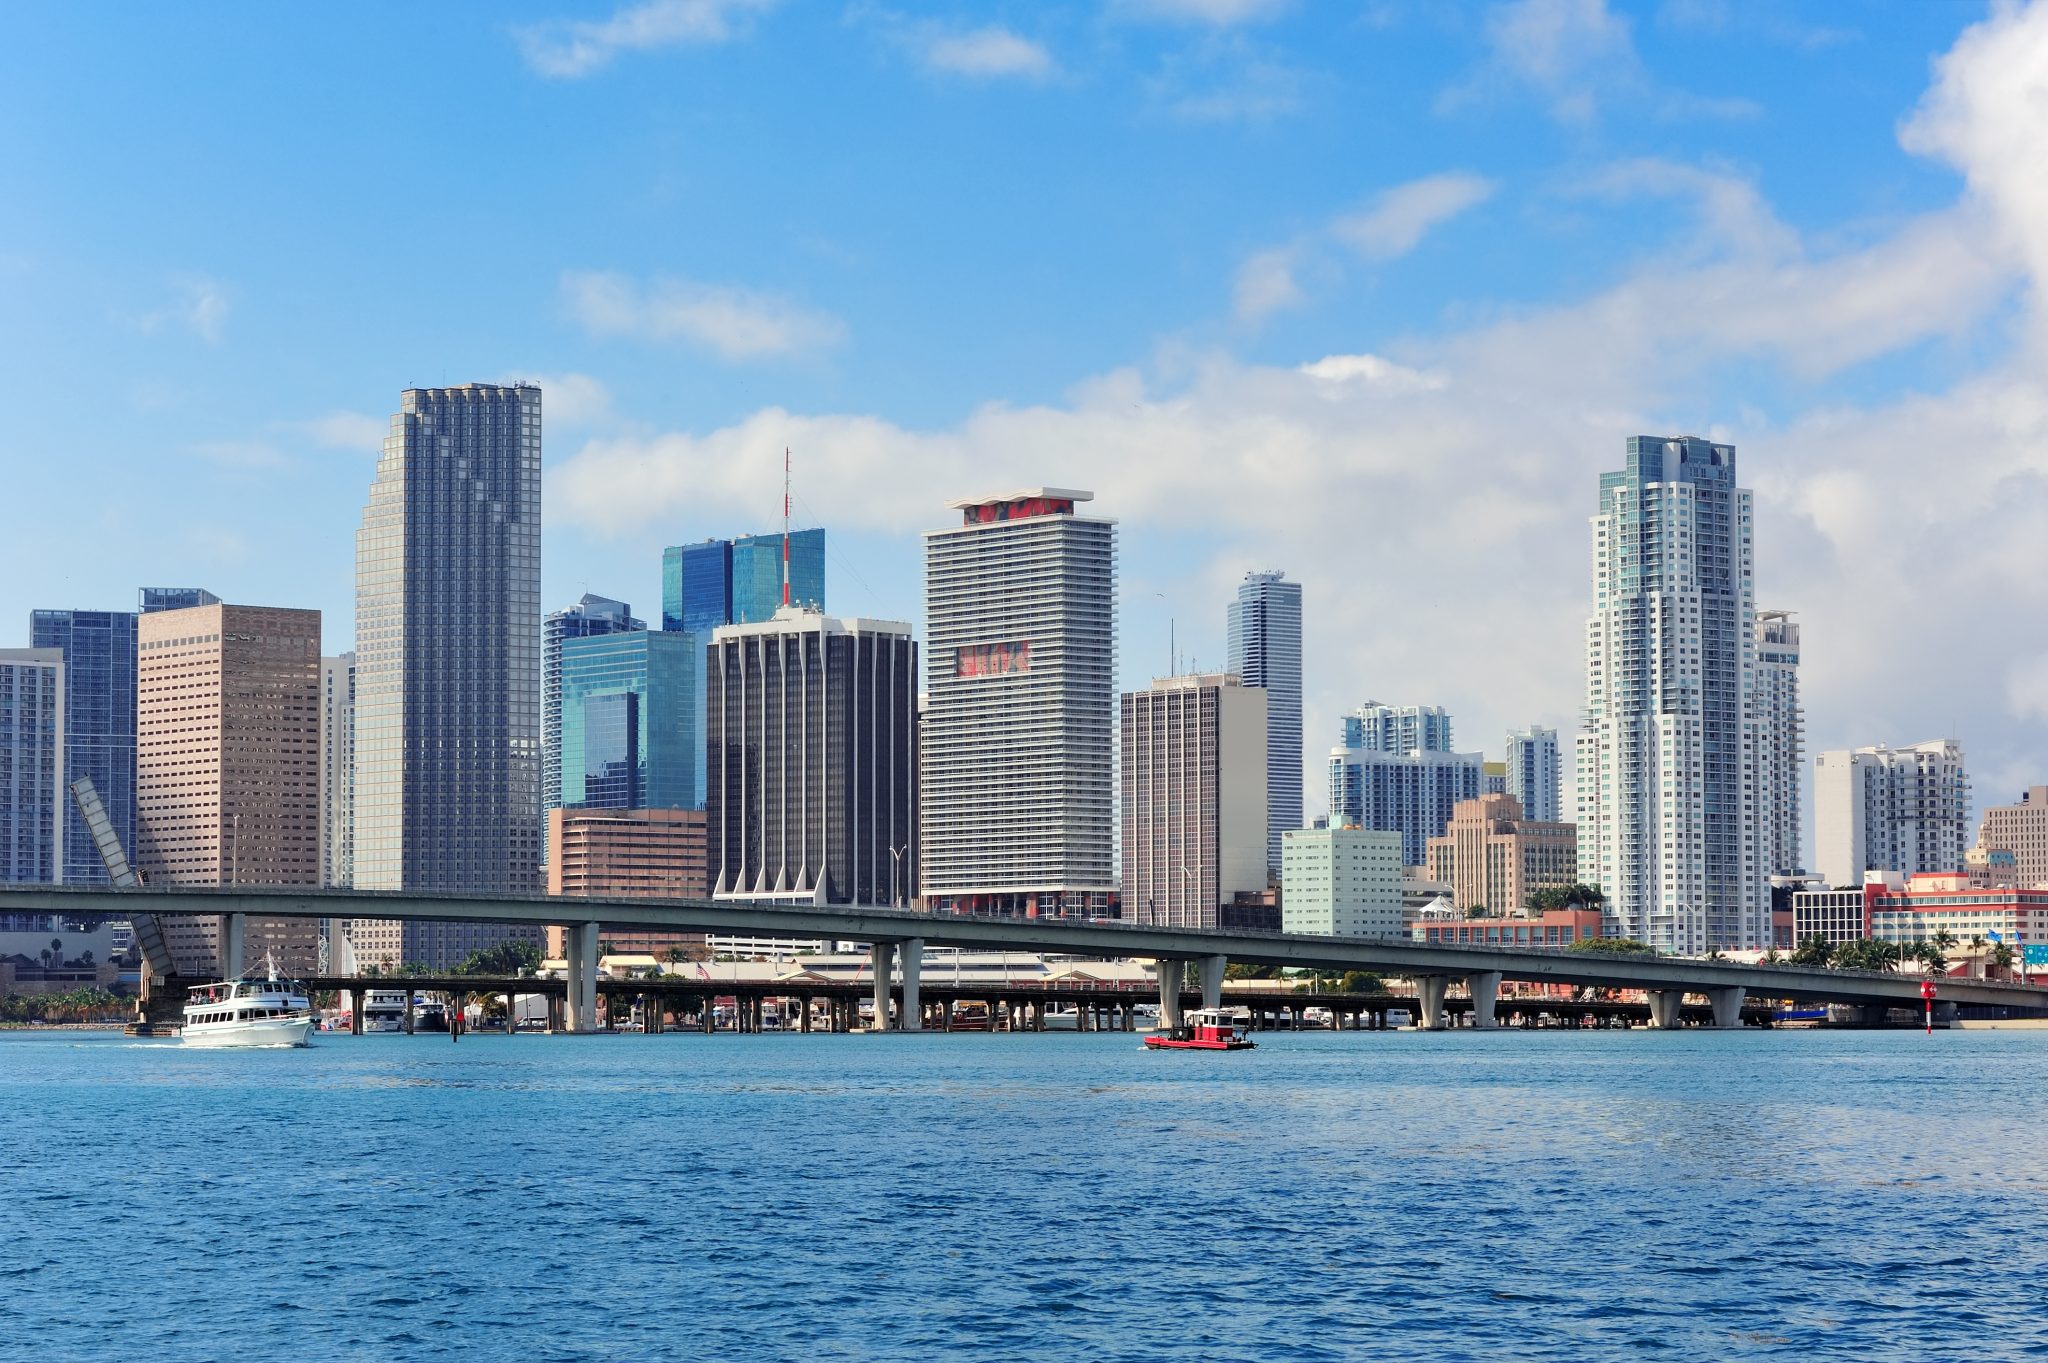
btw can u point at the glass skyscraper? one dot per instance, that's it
(731, 582)
(1262, 630)
(1666, 781)
(448, 659)
(591, 616)
(99, 724)
(626, 706)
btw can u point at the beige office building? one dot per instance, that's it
(2022, 830)
(227, 778)
(1194, 799)
(1493, 856)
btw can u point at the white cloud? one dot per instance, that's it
(568, 48)
(201, 307)
(1266, 284)
(1576, 55)
(568, 401)
(1457, 473)
(1270, 281)
(988, 52)
(1227, 81)
(1214, 13)
(1339, 370)
(357, 431)
(1402, 216)
(735, 323)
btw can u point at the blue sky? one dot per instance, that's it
(941, 249)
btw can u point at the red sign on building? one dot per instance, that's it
(992, 660)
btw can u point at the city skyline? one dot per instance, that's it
(1274, 377)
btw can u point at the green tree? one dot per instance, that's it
(2001, 956)
(1479, 911)
(1238, 970)
(1361, 982)
(1619, 946)
(502, 959)
(1814, 951)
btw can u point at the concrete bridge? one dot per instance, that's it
(1006, 1006)
(898, 938)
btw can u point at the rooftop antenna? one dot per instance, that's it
(785, 527)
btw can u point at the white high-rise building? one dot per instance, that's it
(1890, 809)
(1017, 759)
(1374, 727)
(1780, 732)
(337, 769)
(1667, 816)
(33, 795)
(1262, 629)
(1533, 772)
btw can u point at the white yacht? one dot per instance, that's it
(249, 1012)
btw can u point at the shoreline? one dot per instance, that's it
(62, 1026)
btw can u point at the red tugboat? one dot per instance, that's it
(1207, 1029)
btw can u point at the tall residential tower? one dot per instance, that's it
(1018, 757)
(1533, 772)
(1667, 820)
(1780, 735)
(1263, 634)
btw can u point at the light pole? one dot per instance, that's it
(896, 874)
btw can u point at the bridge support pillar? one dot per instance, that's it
(1727, 1002)
(1485, 986)
(234, 932)
(912, 966)
(1212, 981)
(1429, 999)
(1664, 1004)
(881, 962)
(581, 960)
(1170, 973)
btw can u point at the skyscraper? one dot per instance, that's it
(1890, 809)
(626, 704)
(732, 582)
(1533, 772)
(32, 776)
(99, 725)
(337, 769)
(227, 785)
(1194, 798)
(757, 574)
(593, 615)
(1780, 733)
(1374, 727)
(448, 644)
(1262, 630)
(1018, 758)
(1665, 756)
(812, 760)
(1413, 793)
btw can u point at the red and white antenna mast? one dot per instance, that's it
(785, 527)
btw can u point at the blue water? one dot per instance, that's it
(1538, 1195)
